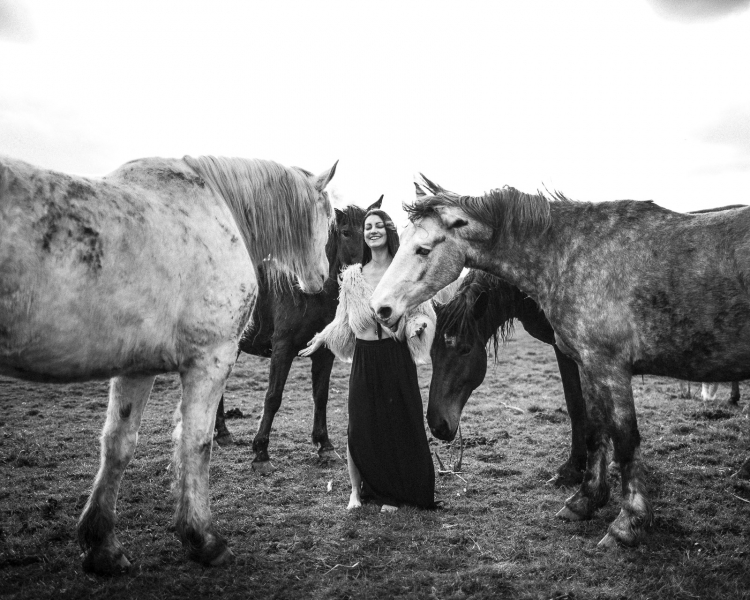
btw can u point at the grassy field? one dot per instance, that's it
(495, 537)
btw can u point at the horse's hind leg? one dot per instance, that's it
(96, 527)
(734, 396)
(281, 362)
(709, 391)
(223, 435)
(571, 471)
(322, 364)
(202, 387)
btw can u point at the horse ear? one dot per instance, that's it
(420, 192)
(480, 305)
(375, 205)
(431, 186)
(453, 218)
(340, 214)
(325, 178)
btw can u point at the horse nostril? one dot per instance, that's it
(384, 312)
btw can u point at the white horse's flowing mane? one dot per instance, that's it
(275, 208)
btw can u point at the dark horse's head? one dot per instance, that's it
(346, 240)
(466, 324)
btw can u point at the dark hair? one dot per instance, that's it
(391, 235)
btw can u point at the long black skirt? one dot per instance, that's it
(387, 438)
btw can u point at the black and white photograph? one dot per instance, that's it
(346, 300)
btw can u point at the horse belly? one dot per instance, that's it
(106, 291)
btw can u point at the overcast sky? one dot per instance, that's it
(648, 99)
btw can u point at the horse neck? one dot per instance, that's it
(529, 263)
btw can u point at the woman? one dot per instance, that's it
(388, 455)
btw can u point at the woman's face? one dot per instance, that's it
(375, 234)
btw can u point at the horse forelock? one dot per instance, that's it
(506, 210)
(275, 208)
(351, 215)
(456, 317)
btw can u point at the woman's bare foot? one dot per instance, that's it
(354, 501)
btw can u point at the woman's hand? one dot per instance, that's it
(418, 331)
(312, 346)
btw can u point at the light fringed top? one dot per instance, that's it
(354, 316)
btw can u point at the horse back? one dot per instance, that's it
(134, 272)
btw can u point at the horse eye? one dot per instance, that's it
(423, 251)
(346, 234)
(463, 349)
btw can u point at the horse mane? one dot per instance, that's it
(456, 315)
(274, 207)
(507, 210)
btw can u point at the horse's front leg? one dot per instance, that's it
(594, 490)
(571, 471)
(636, 513)
(96, 528)
(281, 361)
(610, 408)
(202, 387)
(322, 364)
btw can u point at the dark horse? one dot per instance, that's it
(283, 321)
(629, 288)
(481, 311)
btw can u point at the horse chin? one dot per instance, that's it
(444, 434)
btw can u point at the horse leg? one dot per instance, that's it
(636, 513)
(202, 387)
(322, 364)
(594, 490)
(281, 361)
(571, 471)
(734, 396)
(223, 435)
(96, 528)
(709, 391)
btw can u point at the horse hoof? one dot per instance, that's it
(569, 515)
(223, 558)
(328, 455)
(263, 467)
(103, 563)
(608, 542)
(566, 480)
(225, 439)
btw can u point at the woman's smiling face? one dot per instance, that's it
(375, 233)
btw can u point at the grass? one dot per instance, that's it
(495, 537)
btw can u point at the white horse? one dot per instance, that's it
(149, 270)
